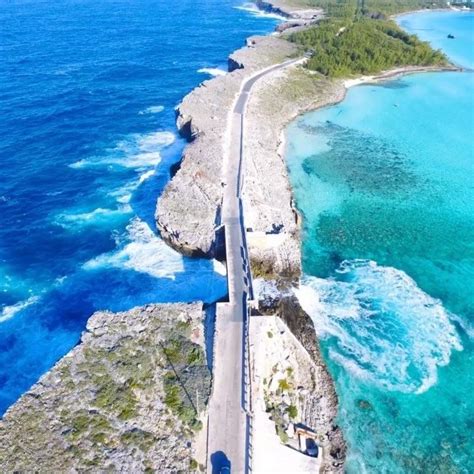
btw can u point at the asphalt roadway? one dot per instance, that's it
(229, 422)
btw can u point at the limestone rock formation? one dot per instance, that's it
(294, 377)
(126, 399)
(188, 211)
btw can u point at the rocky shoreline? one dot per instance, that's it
(111, 401)
(188, 212)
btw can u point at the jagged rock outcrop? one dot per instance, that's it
(124, 400)
(296, 389)
(308, 385)
(188, 211)
(289, 9)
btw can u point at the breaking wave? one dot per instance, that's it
(213, 71)
(136, 151)
(156, 109)
(141, 250)
(9, 311)
(96, 217)
(255, 11)
(382, 326)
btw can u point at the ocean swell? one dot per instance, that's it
(384, 328)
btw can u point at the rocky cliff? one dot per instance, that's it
(127, 398)
(310, 387)
(188, 211)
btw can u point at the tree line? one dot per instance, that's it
(362, 45)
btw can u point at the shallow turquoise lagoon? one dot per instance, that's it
(384, 181)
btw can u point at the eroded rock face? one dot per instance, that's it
(117, 401)
(308, 385)
(188, 211)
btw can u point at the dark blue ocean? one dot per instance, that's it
(87, 137)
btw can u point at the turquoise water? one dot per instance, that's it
(384, 181)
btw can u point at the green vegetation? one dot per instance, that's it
(283, 385)
(357, 39)
(181, 397)
(348, 8)
(282, 434)
(137, 437)
(269, 334)
(292, 411)
(116, 397)
(84, 422)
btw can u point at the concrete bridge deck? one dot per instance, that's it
(229, 424)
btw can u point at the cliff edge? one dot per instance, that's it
(128, 398)
(188, 211)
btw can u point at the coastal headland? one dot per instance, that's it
(132, 395)
(127, 398)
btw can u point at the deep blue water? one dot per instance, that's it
(87, 136)
(384, 181)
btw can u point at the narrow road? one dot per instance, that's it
(229, 426)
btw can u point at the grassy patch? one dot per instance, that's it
(375, 8)
(136, 437)
(292, 411)
(84, 423)
(115, 398)
(283, 385)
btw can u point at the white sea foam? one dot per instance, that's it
(94, 217)
(146, 175)
(135, 151)
(219, 267)
(9, 311)
(255, 11)
(213, 71)
(123, 195)
(384, 327)
(143, 252)
(155, 109)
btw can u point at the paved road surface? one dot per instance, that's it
(229, 409)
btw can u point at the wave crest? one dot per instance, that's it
(212, 71)
(143, 252)
(155, 109)
(255, 11)
(136, 151)
(382, 326)
(9, 311)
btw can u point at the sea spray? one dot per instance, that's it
(384, 328)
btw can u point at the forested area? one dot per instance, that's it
(349, 8)
(364, 46)
(354, 41)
